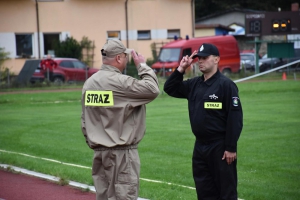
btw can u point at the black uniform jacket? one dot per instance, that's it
(215, 109)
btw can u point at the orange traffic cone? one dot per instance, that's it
(284, 76)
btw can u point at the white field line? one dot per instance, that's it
(51, 178)
(80, 166)
(47, 159)
(266, 72)
(72, 183)
(48, 102)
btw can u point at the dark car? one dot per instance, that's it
(264, 63)
(270, 63)
(38, 75)
(248, 61)
(67, 70)
(293, 67)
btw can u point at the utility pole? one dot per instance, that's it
(38, 28)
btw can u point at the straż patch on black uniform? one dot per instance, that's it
(235, 101)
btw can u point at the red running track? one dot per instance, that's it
(17, 186)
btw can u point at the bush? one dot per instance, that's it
(70, 48)
(3, 57)
(3, 70)
(88, 47)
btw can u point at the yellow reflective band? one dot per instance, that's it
(99, 98)
(212, 105)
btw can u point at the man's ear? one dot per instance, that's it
(118, 58)
(217, 58)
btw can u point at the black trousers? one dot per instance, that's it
(50, 75)
(214, 178)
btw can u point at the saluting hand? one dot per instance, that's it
(137, 58)
(186, 62)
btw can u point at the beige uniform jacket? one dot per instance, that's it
(113, 106)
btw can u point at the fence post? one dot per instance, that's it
(164, 71)
(8, 78)
(48, 74)
(86, 73)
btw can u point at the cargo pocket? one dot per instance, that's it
(127, 182)
(126, 187)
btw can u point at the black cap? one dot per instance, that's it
(207, 50)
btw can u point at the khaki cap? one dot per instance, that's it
(114, 47)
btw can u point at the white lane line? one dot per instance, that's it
(80, 166)
(154, 181)
(51, 178)
(48, 102)
(75, 184)
(47, 159)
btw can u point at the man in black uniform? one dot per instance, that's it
(216, 119)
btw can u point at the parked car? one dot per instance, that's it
(264, 63)
(248, 61)
(281, 61)
(270, 63)
(295, 66)
(38, 75)
(67, 70)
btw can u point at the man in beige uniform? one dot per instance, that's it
(113, 120)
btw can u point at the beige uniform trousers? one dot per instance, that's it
(116, 174)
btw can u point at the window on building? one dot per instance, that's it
(173, 32)
(50, 40)
(144, 35)
(113, 35)
(24, 45)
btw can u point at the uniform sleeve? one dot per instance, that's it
(175, 86)
(143, 91)
(235, 116)
(148, 79)
(83, 129)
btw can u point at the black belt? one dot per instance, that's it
(118, 147)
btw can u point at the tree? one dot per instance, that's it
(3, 57)
(70, 48)
(88, 47)
(3, 70)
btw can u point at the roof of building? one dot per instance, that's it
(201, 26)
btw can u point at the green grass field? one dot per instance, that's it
(47, 125)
